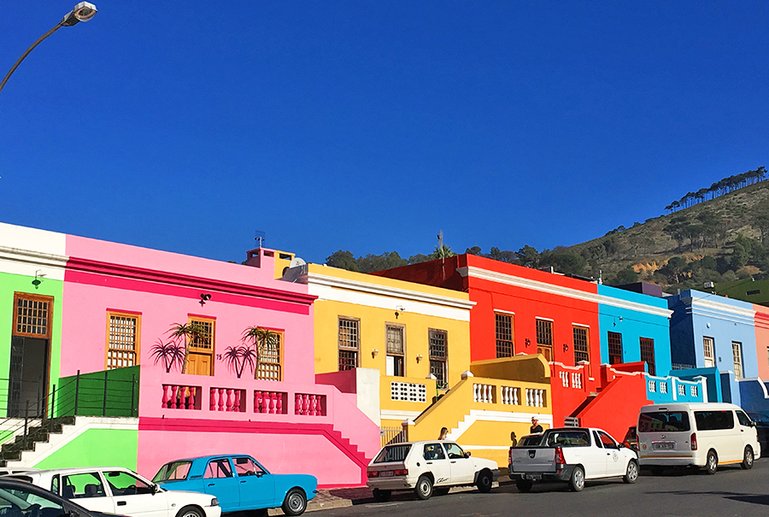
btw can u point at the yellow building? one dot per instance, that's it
(417, 337)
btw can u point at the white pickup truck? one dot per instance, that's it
(572, 454)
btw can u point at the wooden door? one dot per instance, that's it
(199, 364)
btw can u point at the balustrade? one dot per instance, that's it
(564, 379)
(227, 399)
(310, 405)
(485, 393)
(273, 402)
(576, 380)
(511, 395)
(180, 396)
(535, 397)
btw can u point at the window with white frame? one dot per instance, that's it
(545, 338)
(647, 354)
(737, 355)
(708, 351)
(581, 347)
(504, 333)
(395, 351)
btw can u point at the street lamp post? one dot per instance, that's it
(82, 12)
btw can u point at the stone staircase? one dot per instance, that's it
(36, 434)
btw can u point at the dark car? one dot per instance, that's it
(631, 439)
(22, 499)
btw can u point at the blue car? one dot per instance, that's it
(239, 482)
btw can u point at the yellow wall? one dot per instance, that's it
(531, 368)
(373, 321)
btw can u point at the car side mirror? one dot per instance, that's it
(259, 474)
(621, 445)
(155, 489)
(467, 454)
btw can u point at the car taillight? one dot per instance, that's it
(693, 441)
(373, 473)
(559, 459)
(401, 472)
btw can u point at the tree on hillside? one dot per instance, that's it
(387, 260)
(342, 259)
(503, 255)
(528, 256)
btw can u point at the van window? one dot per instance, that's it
(674, 421)
(713, 420)
(743, 419)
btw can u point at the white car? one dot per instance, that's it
(121, 491)
(426, 467)
(573, 455)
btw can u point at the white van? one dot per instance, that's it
(696, 434)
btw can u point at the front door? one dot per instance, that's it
(30, 349)
(462, 468)
(438, 463)
(134, 496)
(257, 486)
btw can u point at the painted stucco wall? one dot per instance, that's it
(720, 318)
(762, 340)
(635, 315)
(25, 253)
(96, 448)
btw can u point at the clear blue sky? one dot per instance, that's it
(370, 125)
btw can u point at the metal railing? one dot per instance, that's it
(110, 393)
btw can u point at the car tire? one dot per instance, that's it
(631, 473)
(711, 462)
(747, 458)
(524, 485)
(443, 490)
(424, 487)
(577, 479)
(381, 496)
(295, 502)
(190, 511)
(484, 481)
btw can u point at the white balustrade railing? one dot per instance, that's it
(564, 378)
(535, 397)
(511, 395)
(484, 393)
(576, 380)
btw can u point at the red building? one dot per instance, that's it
(526, 311)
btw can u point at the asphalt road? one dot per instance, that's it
(731, 491)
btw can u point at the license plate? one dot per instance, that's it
(386, 474)
(533, 477)
(663, 445)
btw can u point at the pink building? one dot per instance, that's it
(119, 303)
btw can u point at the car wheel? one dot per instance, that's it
(524, 485)
(424, 488)
(711, 462)
(631, 474)
(747, 458)
(577, 480)
(444, 490)
(295, 502)
(190, 511)
(381, 496)
(484, 481)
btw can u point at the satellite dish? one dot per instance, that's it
(296, 262)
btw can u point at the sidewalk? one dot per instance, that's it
(344, 497)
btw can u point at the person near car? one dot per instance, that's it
(513, 439)
(535, 427)
(444, 433)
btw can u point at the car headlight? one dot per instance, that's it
(214, 502)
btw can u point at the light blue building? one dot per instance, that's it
(713, 337)
(634, 328)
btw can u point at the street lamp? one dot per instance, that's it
(82, 12)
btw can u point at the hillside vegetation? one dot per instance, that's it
(720, 239)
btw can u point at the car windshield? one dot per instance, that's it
(670, 421)
(393, 453)
(174, 471)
